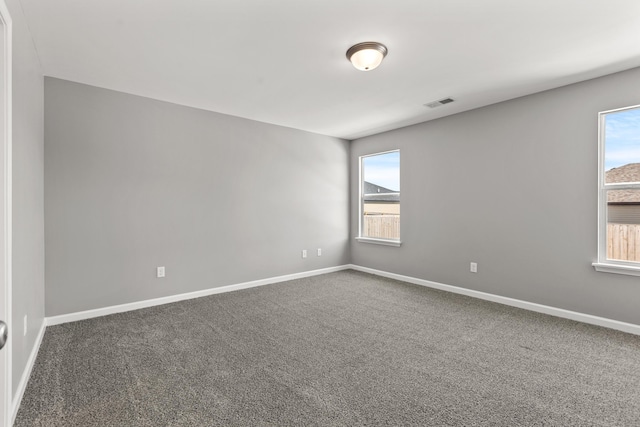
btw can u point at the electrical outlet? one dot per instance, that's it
(24, 332)
(473, 267)
(160, 272)
(304, 253)
(319, 252)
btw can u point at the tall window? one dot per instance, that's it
(619, 195)
(380, 198)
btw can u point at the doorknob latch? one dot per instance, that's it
(4, 333)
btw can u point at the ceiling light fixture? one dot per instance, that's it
(366, 56)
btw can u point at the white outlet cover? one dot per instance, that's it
(160, 272)
(319, 252)
(304, 253)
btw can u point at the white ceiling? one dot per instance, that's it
(283, 61)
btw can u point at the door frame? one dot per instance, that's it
(6, 398)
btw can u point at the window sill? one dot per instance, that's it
(385, 242)
(617, 268)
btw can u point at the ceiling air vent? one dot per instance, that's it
(436, 104)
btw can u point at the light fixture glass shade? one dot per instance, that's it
(366, 56)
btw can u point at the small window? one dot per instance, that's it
(380, 198)
(619, 192)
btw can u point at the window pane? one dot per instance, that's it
(622, 146)
(383, 171)
(623, 225)
(381, 196)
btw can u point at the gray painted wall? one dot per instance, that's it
(28, 210)
(512, 186)
(133, 183)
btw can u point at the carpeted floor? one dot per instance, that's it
(342, 349)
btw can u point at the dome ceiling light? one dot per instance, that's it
(366, 56)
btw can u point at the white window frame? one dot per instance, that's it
(360, 237)
(604, 264)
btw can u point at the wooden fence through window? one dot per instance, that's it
(381, 226)
(623, 242)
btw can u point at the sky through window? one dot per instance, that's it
(383, 170)
(622, 138)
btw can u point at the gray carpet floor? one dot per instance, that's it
(342, 349)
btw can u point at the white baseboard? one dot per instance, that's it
(88, 314)
(24, 379)
(539, 308)
(531, 306)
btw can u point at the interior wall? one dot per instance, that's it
(133, 183)
(513, 187)
(28, 199)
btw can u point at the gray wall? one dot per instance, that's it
(133, 183)
(512, 186)
(28, 211)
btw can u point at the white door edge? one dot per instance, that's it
(6, 229)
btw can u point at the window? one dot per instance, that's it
(380, 198)
(619, 192)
